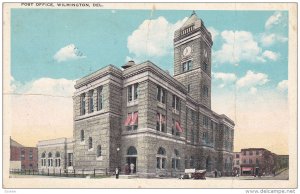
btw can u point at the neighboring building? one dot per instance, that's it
(22, 157)
(283, 161)
(56, 154)
(236, 163)
(253, 161)
(141, 115)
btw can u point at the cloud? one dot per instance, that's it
(45, 110)
(153, 38)
(69, 52)
(269, 39)
(270, 55)
(253, 90)
(214, 32)
(225, 77)
(254, 117)
(252, 79)
(238, 46)
(274, 19)
(283, 85)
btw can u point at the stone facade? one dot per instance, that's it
(55, 154)
(141, 115)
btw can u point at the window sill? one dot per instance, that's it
(132, 103)
(175, 111)
(82, 143)
(100, 158)
(90, 150)
(161, 105)
(86, 115)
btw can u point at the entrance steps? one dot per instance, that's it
(129, 176)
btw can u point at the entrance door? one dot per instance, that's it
(129, 161)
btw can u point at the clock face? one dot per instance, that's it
(187, 51)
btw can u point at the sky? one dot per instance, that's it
(50, 49)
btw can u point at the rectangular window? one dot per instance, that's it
(193, 137)
(132, 92)
(205, 121)
(160, 122)
(22, 154)
(175, 102)
(205, 91)
(205, 66)
(257, 161)
(136, 92)
(91, 101)
(177, 163)
(186, 66)
(161, 94)
(237, 156)
(163, 163)
(257, 152)
(129, 93)
(158, 163)
(250, 161)
(237, 162)
(250, 153)
(70, 159)
(244, 153)
(99, 98)
(82, 135)
(132, 121)
(30, 155)
(82, 104)
(173, 163)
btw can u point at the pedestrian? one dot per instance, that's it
(216, 173)
(126, 169)
(131, 168)
(117, 173)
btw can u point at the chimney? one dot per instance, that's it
(128, 64)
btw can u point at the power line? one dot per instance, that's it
(35, 94)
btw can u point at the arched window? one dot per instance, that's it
(82, 135)
(90, 142)
(99, 151)
(192, 162)
(50, 160)
(161, 158)
(176, 160)
(161, 151)
(43, 159)
(131, 151)
(57, 159)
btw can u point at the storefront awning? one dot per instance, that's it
(134, 119)
(247, 169)
(178, 127)
(128, 119)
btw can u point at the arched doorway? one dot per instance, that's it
(208, 164)
(131, 159)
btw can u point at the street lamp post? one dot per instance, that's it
(118, 149)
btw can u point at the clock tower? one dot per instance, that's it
(192, 59)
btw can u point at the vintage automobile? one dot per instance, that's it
(193, 174)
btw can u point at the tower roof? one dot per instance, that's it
(191, 20)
